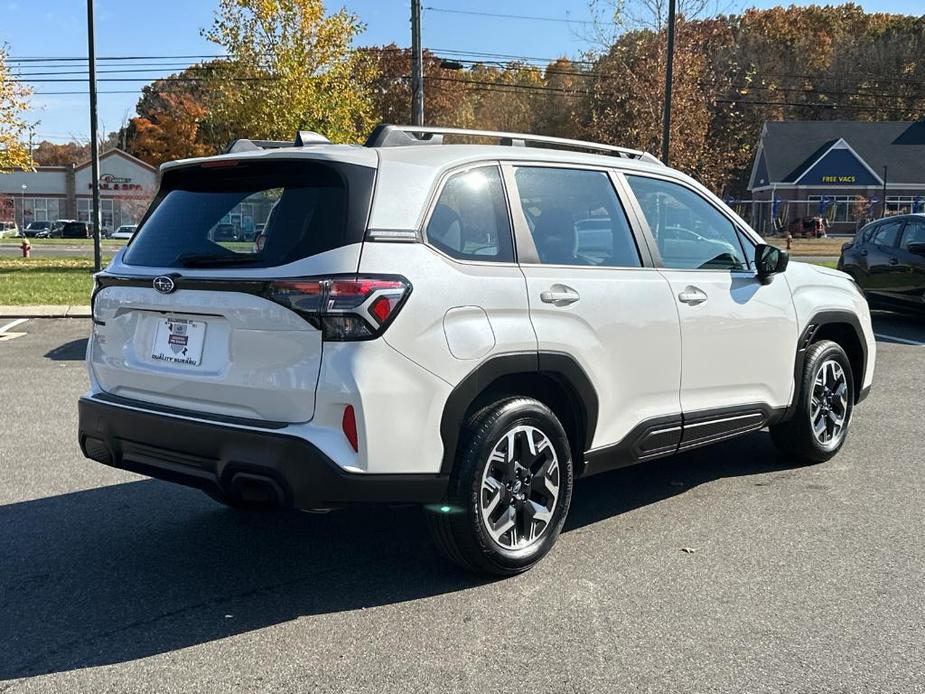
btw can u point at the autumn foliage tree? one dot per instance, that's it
(64, 154)
(290, 67)
(447, 101)
(14, 99)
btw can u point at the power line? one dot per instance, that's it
(509, 16)
(45, 59)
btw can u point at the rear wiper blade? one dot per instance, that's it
(194, 260)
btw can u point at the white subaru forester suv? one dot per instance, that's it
(468, 327)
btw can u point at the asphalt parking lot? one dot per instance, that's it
(802, 579)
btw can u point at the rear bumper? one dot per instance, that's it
(217, 457)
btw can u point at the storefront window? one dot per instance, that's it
(842, 208)
(106, 213)
(84, 205)
(40, 210)
(28, 211)
(899, 204)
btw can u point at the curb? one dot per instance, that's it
(62, 311)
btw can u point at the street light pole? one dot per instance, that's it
(22, 209)
(883, 209)
(94, 142)
(669, 69)
(417, 66)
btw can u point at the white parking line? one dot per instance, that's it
(13, 324)
(904, 340)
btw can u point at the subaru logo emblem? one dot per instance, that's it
(164, 284)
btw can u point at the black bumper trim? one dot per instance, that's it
(180, 412)
(207, 456)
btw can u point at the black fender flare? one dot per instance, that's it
(807, 337)
(560, 366)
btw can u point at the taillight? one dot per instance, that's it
(344, 308)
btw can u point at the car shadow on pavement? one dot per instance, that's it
(118, 573)
(75, 350)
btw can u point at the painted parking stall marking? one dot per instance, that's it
(6, 335)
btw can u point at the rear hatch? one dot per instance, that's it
(193, 315)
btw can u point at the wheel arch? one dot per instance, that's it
(554, 378)
(843, 328)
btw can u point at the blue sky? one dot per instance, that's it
(171, 27)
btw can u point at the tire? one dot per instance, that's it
(826, 397)
(489, 488)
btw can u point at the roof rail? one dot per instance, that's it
(303, 138)
(403, 135)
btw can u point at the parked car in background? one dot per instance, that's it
(420, 324)
(56, 227)
(76, 230)
(224, 232)
(37, 230)
(887, 260)
(814, 227)
(124, 232)
(9, 229)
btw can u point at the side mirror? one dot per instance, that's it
(916, 249)
(846, 246)
(769, 261)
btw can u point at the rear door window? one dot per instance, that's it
(887, 234)
(575, 217)
(210, 216)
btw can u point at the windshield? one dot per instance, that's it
(208, 216)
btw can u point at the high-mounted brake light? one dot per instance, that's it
(344, 308)
(219, 163)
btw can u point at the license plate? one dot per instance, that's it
(178, 341)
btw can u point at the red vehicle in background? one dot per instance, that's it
(813, 227)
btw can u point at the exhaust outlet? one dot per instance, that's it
(255, 489)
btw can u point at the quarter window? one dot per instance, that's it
(470, 220)
(575, 217)
(690, 233)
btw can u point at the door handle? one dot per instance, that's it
(559, 295)
(692, 296)
(894, 261)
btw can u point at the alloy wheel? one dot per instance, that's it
(828, 412)
(520, 488)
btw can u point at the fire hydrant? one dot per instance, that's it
(26, 248)
(789, 241)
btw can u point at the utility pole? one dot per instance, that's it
(669, 69)
(883, 209)
(417, 66)
(94, 143)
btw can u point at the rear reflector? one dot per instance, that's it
(349, 425)
(344, 308)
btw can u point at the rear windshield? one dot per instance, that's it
(255, 214)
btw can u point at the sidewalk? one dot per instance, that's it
(62, 311)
